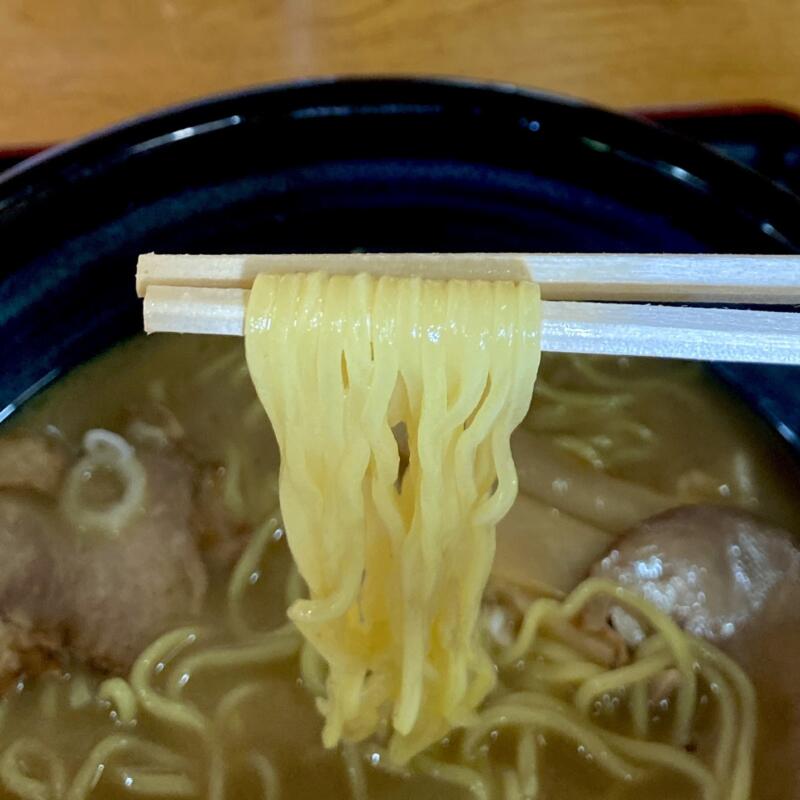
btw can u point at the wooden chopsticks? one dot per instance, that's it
(581, 312)
(654, 278)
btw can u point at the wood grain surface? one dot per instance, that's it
(69, 66)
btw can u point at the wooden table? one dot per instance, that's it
(68, 66)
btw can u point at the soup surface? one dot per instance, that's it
(225, 700)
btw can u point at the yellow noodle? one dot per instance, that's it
(119, 694)
(465, 777)
(354, 767)
(156, 784)
(267, 776)
(573, 672)
(554, 416)
(676, 640)
(553, 720)
(588, 644)
(511, 785)
(380, 757)
(94, 766)
(182, 714)
(581, 449)
(595, 424)
(653, 644)
(590, 368)
(640, 711)
(454, 362)
(264, 649)
(216, 771)
(534, 699)
(532, 621)
(527, 764)
(295, 587)
(669, 757)
(742, 776)
(233, 699)
(247, 564)
(583, 399)
(37, 756)
(608, 449)
(312, 669)
(665, 647)
(726, 731)
(557, 651)
(232, 493)
(617, 679)
(638, 430)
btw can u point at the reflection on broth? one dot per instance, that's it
(161, 662)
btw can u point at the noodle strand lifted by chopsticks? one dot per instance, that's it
(395, 564)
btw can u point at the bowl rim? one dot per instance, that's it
(773, 208)
(163, 113)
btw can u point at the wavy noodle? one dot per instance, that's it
(677, 641)
(459, 775)
(354, 766)
(558, 651)
(247, 565)
(267, 776)
(512, 790)
(592, 372)
(555, 674)
(604, 438)
(117, 692)
(216, 771)
(558, 720)
(528, 764)
(168, 765)
(614, 680)
(312, 669)
(295, 586)
(724, 774)
(155, 784)
(232, 489)
(454, 361)
(672, 758)
(591, 412)
(32, 771)
(640, 712)
(234, 698)
(586, 421)
(264, 650)
(181, 714)
(741, 777)
(104, 451)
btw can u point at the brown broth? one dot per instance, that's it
(697, 429)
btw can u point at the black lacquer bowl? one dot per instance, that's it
(392, 165)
